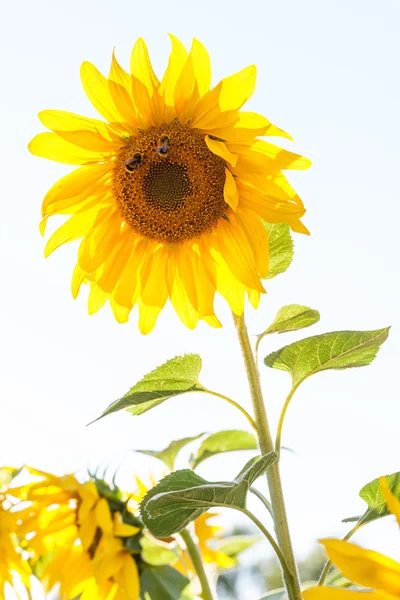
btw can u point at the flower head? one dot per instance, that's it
(75, 536)
(171, 190)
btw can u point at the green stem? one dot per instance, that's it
(271, 540)
(328, 564)
(263, 499)
(197, 562)
(282, 418)
(232, 403)
(273, 475)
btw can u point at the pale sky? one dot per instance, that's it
(327, 73)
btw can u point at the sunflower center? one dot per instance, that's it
(168, 185)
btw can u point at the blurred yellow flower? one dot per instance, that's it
(172, 188)
(364, 567)
(74, 538)
(13, 568)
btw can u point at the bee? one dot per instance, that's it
(132, 163)
(163, 145)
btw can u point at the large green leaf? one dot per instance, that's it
(224, 441)
(280, 248)
(164, 583)
(177, 376)
(293, 317)
(169, 454)
(183, 496)
(336, 350)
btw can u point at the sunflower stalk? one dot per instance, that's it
(197, 563)
(290, 576)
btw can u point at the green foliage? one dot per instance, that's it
(292, 317)
(169, 454)
(336, 350)
(173, 378)
(155, 553)
(223, 441)
(183, 496)
(280, 248)
(164, 583)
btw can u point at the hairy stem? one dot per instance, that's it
(273, 475)
(197, 562)
(271, 540)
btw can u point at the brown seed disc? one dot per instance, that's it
(175, 192)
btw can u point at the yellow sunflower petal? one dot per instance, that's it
(78, 277)
(97, 298)
(238, 255)
(364, 567)
(54, 147)
(83, 179)
(248, 126)
(116, 261)
(392, 502)
(257, 238)
(87, 531)
(129, 578)
(100, 242)
(177, 292)
(63, 121)
(141, 67)
(97, 90)
(76, 227)
(121, 313)
(237, 89)
(221, 150)
(103, 516)
(122, 529)
(231, 192)
(201, 66)
(120, 84)
(177, 60)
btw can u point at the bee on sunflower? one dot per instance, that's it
(172, 189)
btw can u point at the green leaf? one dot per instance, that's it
(336, 350)
(373, 496)
(183, 496)
(156, 553)
(292, 317)
(169, 454)
(234, 545)
(224, 441)
(164, 583)
(175, 377)
(280, 248)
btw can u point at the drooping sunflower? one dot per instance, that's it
(74, 539)
(171, 191)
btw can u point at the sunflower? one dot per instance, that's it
(171, 190)
(75, 539)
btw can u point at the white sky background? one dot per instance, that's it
(327, 73)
